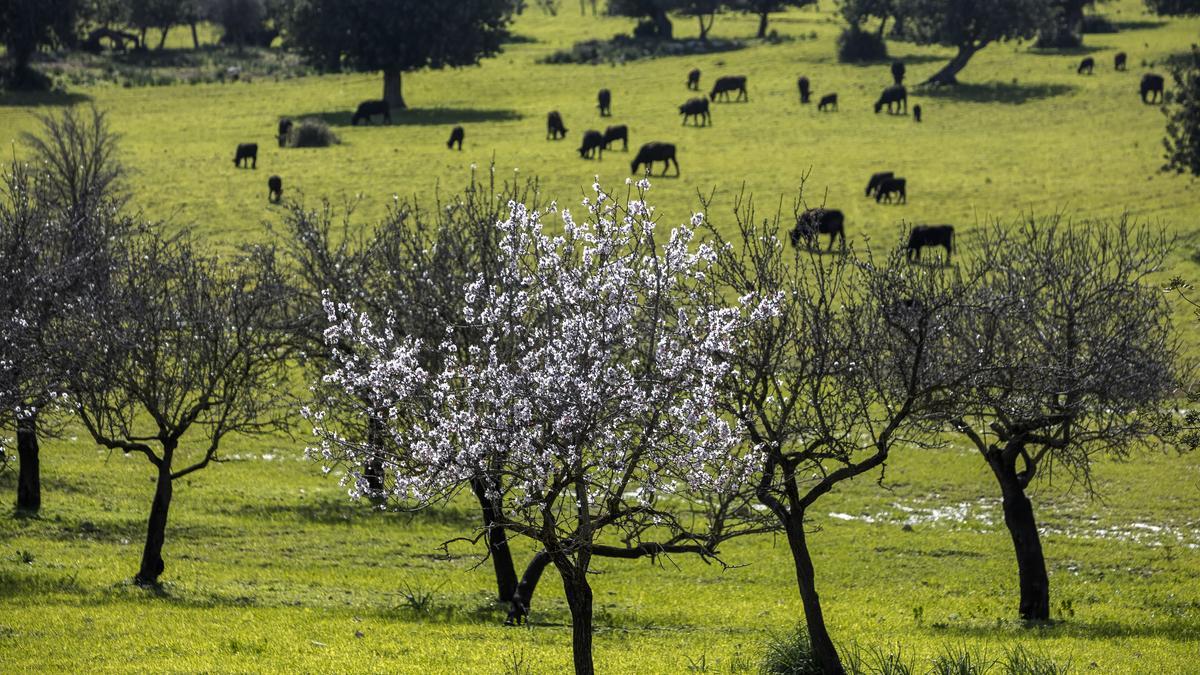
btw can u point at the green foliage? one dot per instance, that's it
(790, 653)
(311, 132)
(764, 9)
(1174, 7)
(855, 45)
(27, 25)
(241, 20)
(1183, 116)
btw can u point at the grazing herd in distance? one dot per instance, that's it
(884, 186)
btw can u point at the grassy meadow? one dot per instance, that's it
(270, 567)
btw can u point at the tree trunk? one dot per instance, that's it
(1031, 563)
(156, 529)
(162, 41)
(497, 543)
(522, 599)
(373, 467)
(29, 478)
(763, 17)
(195, 36)
(662, 24)
(822, 645)
(393, 88)
(705, 27)
(948, 74)
(579, 599)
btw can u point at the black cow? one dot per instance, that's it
(1152, 84)
(917, 113)
(655, 152)
(697, 109)
(593, 142)
(274, 189)
(898, 71)
(929, 235)
(368, 109)
(827, 101)
(615, 133)
(456, 137)
(285, 128)
(729, 83)
(1087, 65)
(554, 126)
(693, 80)
(818, 221)
(247, 153)
(892, 186)
(805, 89)
(895, 95)
(876, 179)
(1119, 61)
(604, 101)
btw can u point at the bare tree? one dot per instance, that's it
(182, 353)
(1075, 358)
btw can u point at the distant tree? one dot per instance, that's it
(858, 12)
(396, 36)
(158, 14)
(26, 26)
(1174, 7)
(1076, 358)
(969, 26)
(59, 224)
(1183, 116)
(654, 11)
(705, 12)
(1066, 24)
(179, 354)
(764, 9)
(242, 20)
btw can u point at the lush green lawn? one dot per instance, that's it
(269, 567)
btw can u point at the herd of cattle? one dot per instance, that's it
(884, 186)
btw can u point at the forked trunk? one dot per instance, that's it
(822, 645)
(156, 530)
(497, 543)
(948, 75)
(29, 477)
(1031, 563)
(705, 27)
(579, 599)
(393, 91)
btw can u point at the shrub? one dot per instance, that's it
(855, 45)
(790, 654)
(311, 133)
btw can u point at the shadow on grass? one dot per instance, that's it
(1179, 630)
(344, 511)
(1081, 50)
(34, 99)
(910, 60)
(1138, 24)
(997, 92)
(419, 117)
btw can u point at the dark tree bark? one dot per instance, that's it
(523, 598)
(195, 36)
(705, 27)
(822, 644)
(497, 543)
(662, 24)
(393, 88)
(373, 468)
(1022, 526)
(763, 17)
(156, 529)
(948, 75)
(29, 478)
(579, 599)
(162, 41)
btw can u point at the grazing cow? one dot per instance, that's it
(604, 100)
(697, 109)
(693, 81)
(593, 142)
(1087, 65)
(1152, 84)
(876, 179)
(895, 95)
(274, 189)
(554, 126)
(827, 101)
(898, 71)
(655, 152)
(805, 89)
(619, 132)
(892, 186)
(368, 109)
(818, 221)
(729, 83)
(917, 113)
(930, 235)
(285, 128)
(247, 153)
(1119, 61)
(456, 136)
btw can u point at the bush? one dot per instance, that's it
(622, 48)
(311, 133)
(855, 45)
(790, 654)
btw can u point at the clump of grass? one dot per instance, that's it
(1022, 661)
(891, 661)
(790, 653)
(311, 133)
(419, 600)
(961, 660)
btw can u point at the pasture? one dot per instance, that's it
(270, 567)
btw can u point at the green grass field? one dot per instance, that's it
(270, 567)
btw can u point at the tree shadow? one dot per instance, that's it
(997, 92)
(37, 99)
(910, 60)
(1081, 50)
(1138, 24)
(418, 117)
(1176, 629)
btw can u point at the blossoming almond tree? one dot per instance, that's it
(589, 401)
